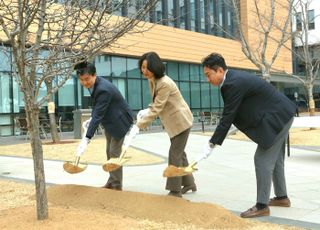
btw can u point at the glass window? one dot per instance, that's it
(202, 17)
(79, 88)
(103, 65)
(158, 11)
(5, 130)
(215, 97)
(5, 101)
(194, 72)
(184, 72)
(43, 92)
(66, 94)
(195, 95)
(5, 120)
(229, 21)
(5, 53)
(18, 102)
(121, 85)
(185, 91)
(116, 7)
(220, 9)
(132, 68)
(212, 18)
(172, 70)
(299, 21)
(118, 67)
(205, 95)
(170, 13)
(134, 90)
(311, 19)
(182, 14)
(146, 96)
(193, 15)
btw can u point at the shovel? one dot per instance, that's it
(174, 171)
(76, 166)
(115, 163)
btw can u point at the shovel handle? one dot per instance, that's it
(193, 164)
(77, 160)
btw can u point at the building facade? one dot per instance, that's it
(187, 31)
(306, 26)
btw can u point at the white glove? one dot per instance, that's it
(86, 123)
(134, 131)
(82, 146)
(132, 134)
(206, 152)
(142, 113)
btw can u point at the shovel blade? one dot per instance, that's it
(109, 167)
(71, 168)
(115, 163)
(174, 171)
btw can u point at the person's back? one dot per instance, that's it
(260, 102)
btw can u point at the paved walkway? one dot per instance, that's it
(226, 178)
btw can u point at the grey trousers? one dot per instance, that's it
(114, 150)
(269, 166)
(178, 157)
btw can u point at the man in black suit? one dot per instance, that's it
(265, 115)
(111, 110)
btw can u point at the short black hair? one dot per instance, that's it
(155, 65)
(214, 61)
(85, 68)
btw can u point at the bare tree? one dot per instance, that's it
(263, 31)
(307, 49)
(47, 40)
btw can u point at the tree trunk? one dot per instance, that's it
(53, 128)
(310, 100)
(53, 123)
(266, 76)
(37, 152)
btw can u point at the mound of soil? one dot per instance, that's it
(75, 207)
(144, 206)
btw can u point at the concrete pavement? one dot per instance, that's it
(226, 178)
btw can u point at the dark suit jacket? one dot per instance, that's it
(254, 106)
(110, 109)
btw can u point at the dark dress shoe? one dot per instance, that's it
(187, 188)
(109, 186)
(254, 212)
(285, 202)
(174, 193)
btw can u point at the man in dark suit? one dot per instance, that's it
(265, 115)
(109, 109)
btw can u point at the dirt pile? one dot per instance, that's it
(144, 206)
(75, 207)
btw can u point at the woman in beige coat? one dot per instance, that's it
(174, 114)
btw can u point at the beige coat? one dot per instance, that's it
(169, 105)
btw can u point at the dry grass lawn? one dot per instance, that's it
(95, 152)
